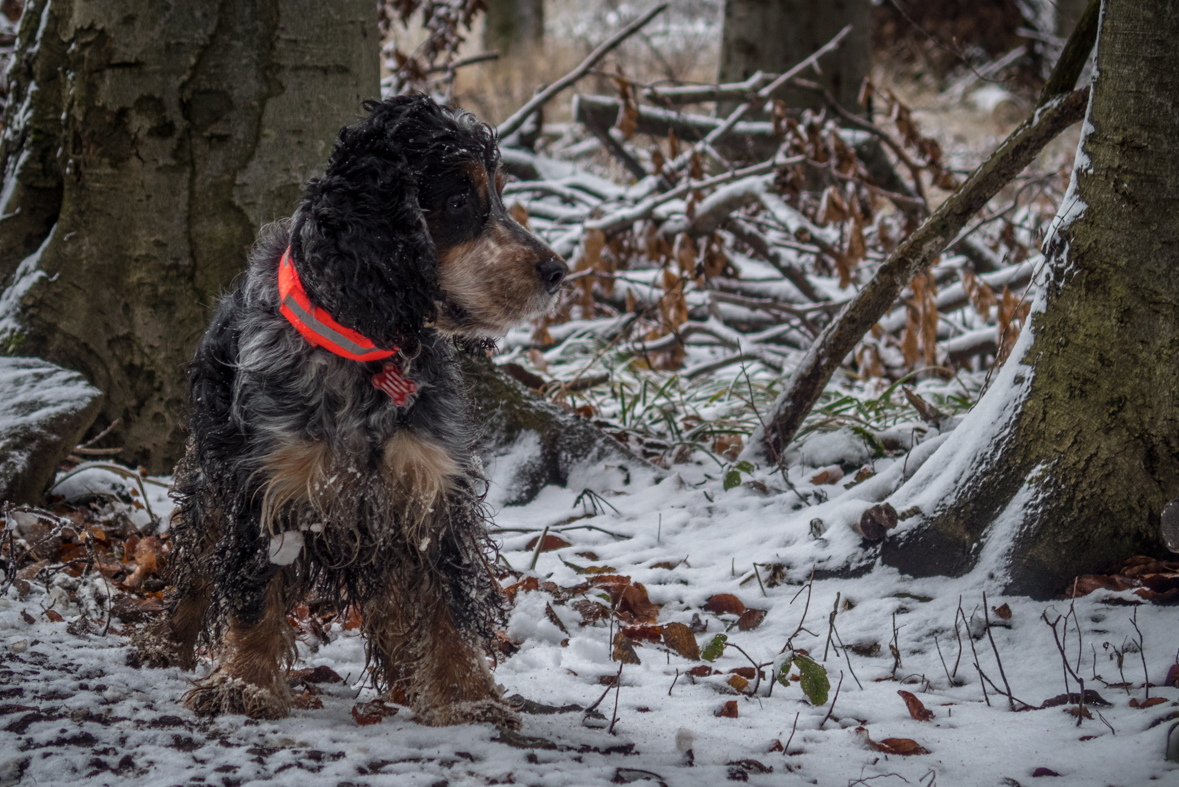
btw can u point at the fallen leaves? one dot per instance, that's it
(916, 709)
(550, 543)
(1156, 581)
(750, 619)
(905, 747)
(624, 650)
(724, 604)
(1150, 703)
(680, 639)
(728, 710)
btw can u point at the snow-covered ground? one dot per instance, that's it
(71, 711)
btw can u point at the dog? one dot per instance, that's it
(330, 448)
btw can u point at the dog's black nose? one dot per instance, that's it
(552, 272)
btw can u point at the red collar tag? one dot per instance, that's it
(320, 330)
(390, 380)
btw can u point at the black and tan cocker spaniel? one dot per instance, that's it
(331, 449)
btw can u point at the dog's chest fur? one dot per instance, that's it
(330, 454)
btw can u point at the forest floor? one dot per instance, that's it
(71, 711)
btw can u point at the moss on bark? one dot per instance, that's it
(158, 139)
(1091, 457)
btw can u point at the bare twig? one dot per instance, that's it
(995, 649)
(1142, 654)
(831, 710)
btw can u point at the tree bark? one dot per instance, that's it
(773, 35)
(1066, 464)
(144, 146)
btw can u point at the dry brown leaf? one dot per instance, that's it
(551, 614)
(550, 543)
(724, 604)
(1150, 703)
(54, 615)
(829, 476)
(1003, 612)
(635, 605)
(643, 633)
(903, 746)
(701, 671)
(728, 445)
(916, 709)
(352, 619)
(624, 650)
(527, 584)
(909, 346)
(750, 619)
(680, 638)
(728, 710)
(738, 682)
(1172, 678)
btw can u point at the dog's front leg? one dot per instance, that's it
(255, 652)
(451, 683)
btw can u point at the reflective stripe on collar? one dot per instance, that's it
(316, 325)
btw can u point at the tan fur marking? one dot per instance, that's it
(295, 472)
(251, 677)
(420, 472)
(494, 279)
(451, 683)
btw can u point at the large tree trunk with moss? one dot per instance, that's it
(144, 145)
(1067, 462)
(774, 35)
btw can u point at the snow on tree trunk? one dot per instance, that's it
(144, 145)
(1067, 462)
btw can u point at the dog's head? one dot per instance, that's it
(407, 230)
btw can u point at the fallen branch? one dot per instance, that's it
(540, 99)
(913, 256)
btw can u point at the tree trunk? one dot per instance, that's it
(1067, 462)
(143, 147)
(773, 35)
(514, 27)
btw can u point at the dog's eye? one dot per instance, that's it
(456, 202)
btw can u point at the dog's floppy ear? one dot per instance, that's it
(360, 243)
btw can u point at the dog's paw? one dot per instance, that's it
(487, 711)
(220, 693)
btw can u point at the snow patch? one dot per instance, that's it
(285, 547)
(27, 274)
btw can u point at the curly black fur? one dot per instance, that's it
(366, 241)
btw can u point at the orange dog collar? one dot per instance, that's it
(316, 325)
(320, 330)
